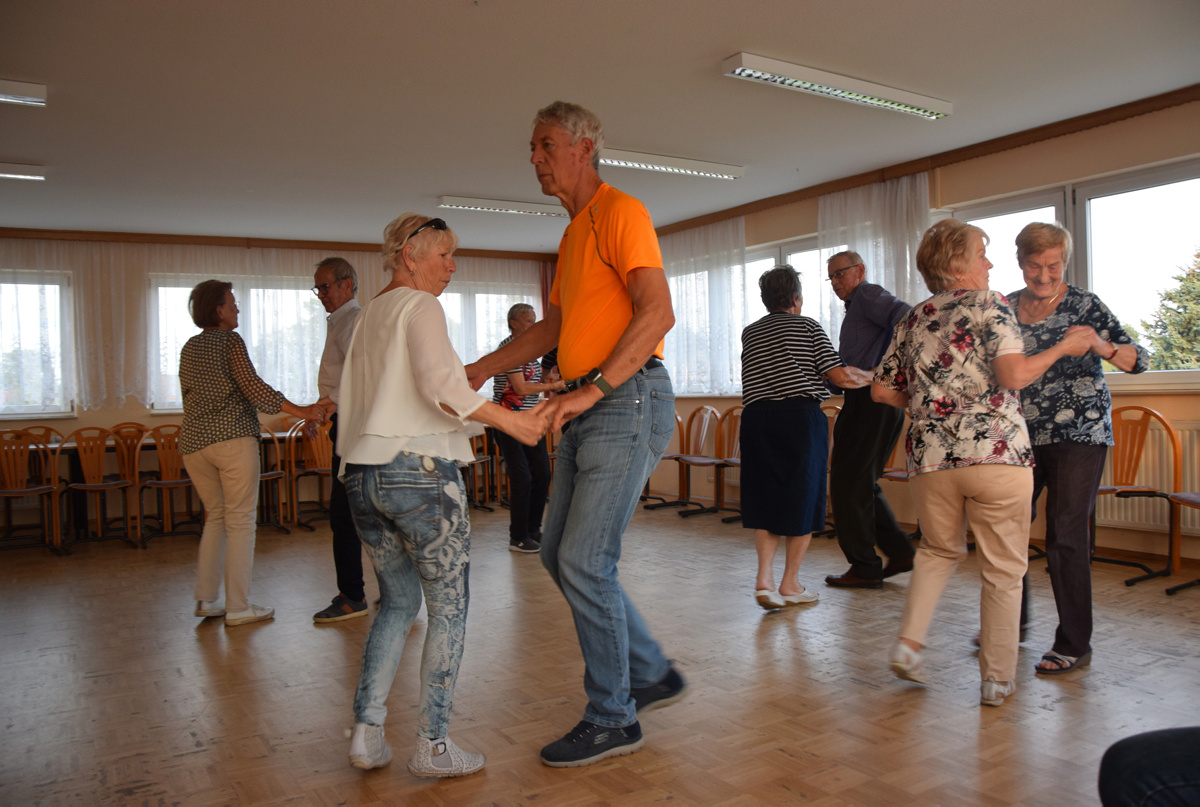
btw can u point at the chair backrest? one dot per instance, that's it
(729, 434)
(274, 461)
(24, 460)
(91, 444)
(170, 461)
(701, 423)
(129, 438)
(313, 451)
(47, 435)
(1131, 424)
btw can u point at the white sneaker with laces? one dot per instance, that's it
(206, 609)
(993, 692)
(442, 758)
(254, 613)
(368, 748)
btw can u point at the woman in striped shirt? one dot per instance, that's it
(785, 437)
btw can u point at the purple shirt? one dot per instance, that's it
(871, 315)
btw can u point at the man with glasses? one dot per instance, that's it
(336, 285)
(864, 434)
(610, 307)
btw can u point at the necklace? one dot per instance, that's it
(1045, 305)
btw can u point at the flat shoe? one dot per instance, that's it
(906, 662)
(993, 692)
(806, 597)
(1066, 663)
(768, 599)
(849, 580)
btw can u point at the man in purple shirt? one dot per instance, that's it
(864, 434)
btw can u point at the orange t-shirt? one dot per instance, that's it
(609, 238)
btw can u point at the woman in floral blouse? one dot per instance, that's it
(956, 362)
(1070, 422)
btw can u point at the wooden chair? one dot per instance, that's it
(477, 474)
(129, 438)
(1131, 424)
(27, 469)
(1186, 500)
(169, 478)
(701, 423)
(88, 447)
(270, 479)
(309, 454)
(831, 415)
(729, 449)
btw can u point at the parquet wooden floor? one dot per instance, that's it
(113, 693)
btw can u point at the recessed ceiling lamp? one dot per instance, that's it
(669, 165)
(21, 92)
(807, 79)
(15, 171)
(501, 206)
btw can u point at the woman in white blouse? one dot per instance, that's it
(403, 405)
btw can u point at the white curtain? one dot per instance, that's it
(124, 315)
(883, 222)
(705, 268)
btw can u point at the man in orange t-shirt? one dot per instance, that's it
(610, 308)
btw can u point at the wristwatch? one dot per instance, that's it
(597, 378)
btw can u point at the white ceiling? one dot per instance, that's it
(312, 119)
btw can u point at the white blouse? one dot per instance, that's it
(400, 367)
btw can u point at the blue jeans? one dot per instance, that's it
(603, 462)
(1156, 768)
(412, 518)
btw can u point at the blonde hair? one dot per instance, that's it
(944, 251)
(396, 237)
(1038, 237)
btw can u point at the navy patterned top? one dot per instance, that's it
(941, 357)
(221, 391)
(1070, 402)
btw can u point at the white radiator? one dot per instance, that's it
(1155, 471)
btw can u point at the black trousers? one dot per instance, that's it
(347, 549)
(863, 438)
(528, 485)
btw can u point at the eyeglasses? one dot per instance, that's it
(325, 287)
(838, 274)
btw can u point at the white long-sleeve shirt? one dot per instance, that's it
(399, 369)
(339, 328)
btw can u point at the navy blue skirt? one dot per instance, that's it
(785, 452)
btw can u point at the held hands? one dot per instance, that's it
(1081, 339)
(529, 426)
(328, 405)
(562, 408)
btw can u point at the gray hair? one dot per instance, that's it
(341, 270)
(517, 310)
(578, 122)
(780, 288)
(855, 258)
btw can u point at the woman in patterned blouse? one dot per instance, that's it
(219, 443)
(955, 362)
(1069, 412)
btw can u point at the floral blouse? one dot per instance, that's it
(940, 356)
(1070, 402)
(221, 391)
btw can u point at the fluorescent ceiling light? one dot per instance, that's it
(501, 206)
(807, 79)
(669, 165)
(21, 92)
(15, 171)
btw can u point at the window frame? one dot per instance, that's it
(64, 280)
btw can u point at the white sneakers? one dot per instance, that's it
(254, 613)
(906, 662)
(207, 609)
(368, 748)
(442, 758)
(993, 692)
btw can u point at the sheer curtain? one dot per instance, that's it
(705, 268)
(97, 323)
(883, 222)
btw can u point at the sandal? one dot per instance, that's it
(1063, 664)
(770, 600)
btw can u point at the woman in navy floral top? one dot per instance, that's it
(955, 362)
(1069, 413)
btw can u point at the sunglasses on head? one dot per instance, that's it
(434, 224)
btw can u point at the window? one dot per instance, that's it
(477, 314)
(1002, 221)
(281, 322)
(37, 344)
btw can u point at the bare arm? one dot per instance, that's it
(523, 387)
(848, 377)
(891, 397)
(653, 316)
(536, 342)
(1125, 359)
(1017, 371)
(528, 425)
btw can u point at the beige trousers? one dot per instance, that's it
(995, 500)
(226, 477)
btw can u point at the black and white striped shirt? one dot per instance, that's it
(785, 356)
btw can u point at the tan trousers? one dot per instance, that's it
(995, 500)
(226, 477)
